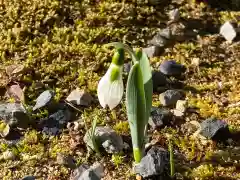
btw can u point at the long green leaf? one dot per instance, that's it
(136, 109)
(147, 80)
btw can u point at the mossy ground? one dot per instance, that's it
(60, 43)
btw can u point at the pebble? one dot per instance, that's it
(65, 160)
(43, 99)
(80, 98)
(169, 97)
(215, 129)
(159, 117)
(84, 172)
(29, 178)
(172, 68)
(154, 164)
(14, 114)
(8, 155)
(161, 38)
(228, 32)
(174, 15)
(107, 138)
(181, 105)
(152, 51)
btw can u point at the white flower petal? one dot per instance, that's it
(102, 90)
(115, 93)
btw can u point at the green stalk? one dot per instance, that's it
(172, 168)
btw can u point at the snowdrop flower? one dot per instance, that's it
(110, 87)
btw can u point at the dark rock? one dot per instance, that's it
(44, 99)
(84, 172)
(55, 122)
(127, 67)
(171, 68)
(80, 98)
(158, 79)
(29, 178)
(159, 117)
(162, 38)
(65, 160)
(170, 97)
(153, 51)
(215, 129)
(154, 164)
(106, 138)
(14, 114)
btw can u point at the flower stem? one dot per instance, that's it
(138, 154)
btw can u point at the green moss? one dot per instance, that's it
(122, 127)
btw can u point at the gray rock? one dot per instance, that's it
(227, 31)
(55, 122)
(152, 51)
(169, 97)
(127, 67)
(84, 172)
(80, 98)
(14, 114)
(106, 138)
(161, 38)
(65, 160)
(158, 79)
(159, 117)
(44, 99)
(172, 68)
(214, 129)
(154, 163)
(174, 15)
(29, 178)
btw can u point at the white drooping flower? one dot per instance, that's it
(110, 87)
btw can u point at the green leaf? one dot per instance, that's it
(136, 108)
(147, 80)
(125, 47)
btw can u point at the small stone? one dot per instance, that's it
(152, 51)
(227, 31)
(80, 98)
(84, 172)
(65, 160)
(29, 178)
(154, 163)
(169, 97)
(55, 122)
(14, 114)
(174, 15)
(106, 138)
(8, 155)
(178, 113)
(181, 105)
(127, 67)
(161, 38)
(159, 117)
(43, 99)
(215, 129)
(158, 79)
(172, 68)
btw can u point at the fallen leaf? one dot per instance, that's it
(16, 92)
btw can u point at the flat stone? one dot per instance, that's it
(106, 138)
(159, 117)
(174, 15)
(152, 51)
(80, 98)
(178, 113)
(84, 172)
(161, 38)
(14, 114)
(227, 31)
(43, 99)
(170, 97)
(181, 105)
(154, 163)
(215, 129)
(172, 68)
